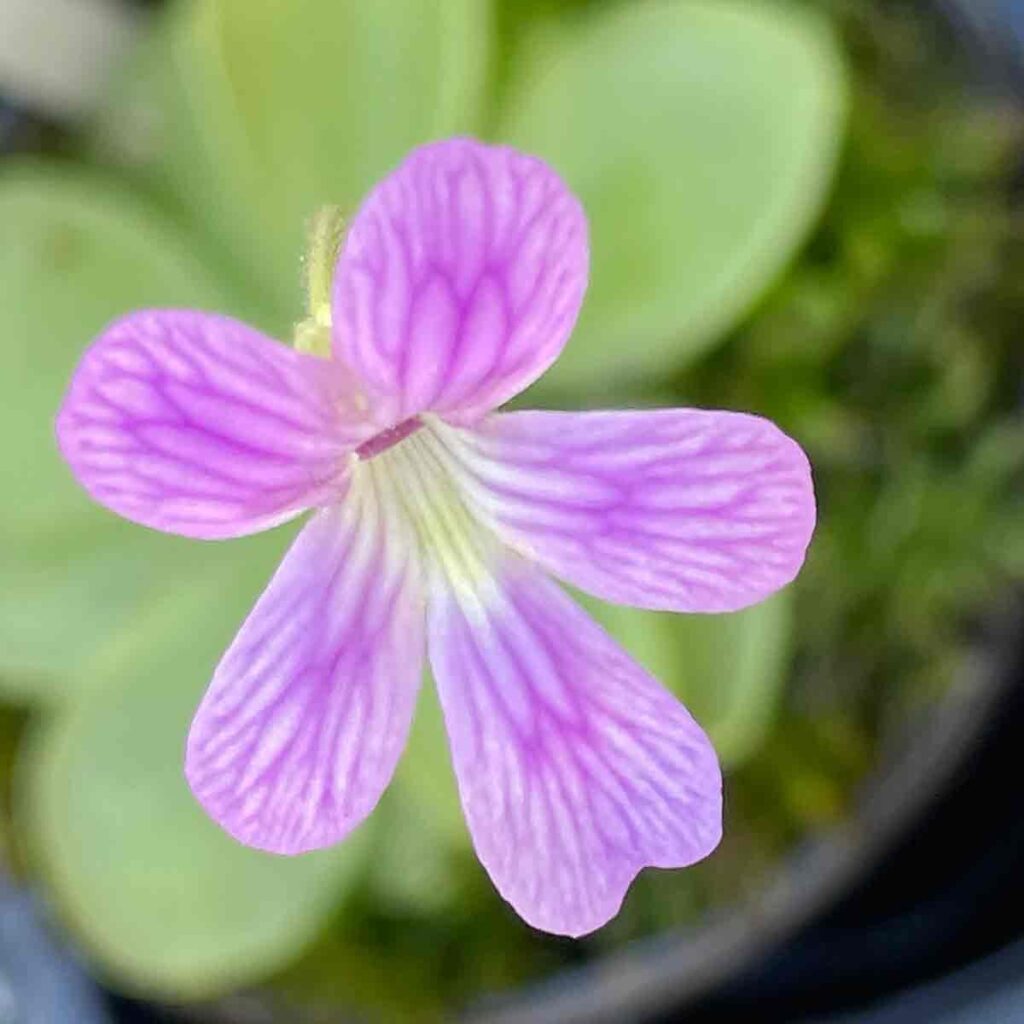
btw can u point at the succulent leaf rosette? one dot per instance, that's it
(699, 139)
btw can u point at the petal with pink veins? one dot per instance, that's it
(460, 280)
(196, 424)
(575, 767)
(302, 726)
(682, 510)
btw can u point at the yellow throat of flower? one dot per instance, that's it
(412, 475)
(420, 480)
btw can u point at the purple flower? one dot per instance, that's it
(436, 523)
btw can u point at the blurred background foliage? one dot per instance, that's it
(795, 210)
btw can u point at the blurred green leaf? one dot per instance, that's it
(426, 767)
(416, 868)
(61, 598)
(146, 131)
(423, 831)
(273, 110)
(165, 902)
(701, 136)
(77, 253)
(729, 670)
(423, 836)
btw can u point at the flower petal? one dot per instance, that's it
(676, 509)
(307, 714)
(460, 281)
(575, 767)
(199, 425)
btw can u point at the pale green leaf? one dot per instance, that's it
(701, 136)
(416, 863)
(426, 767)
(61, 598)
(276, 109)
(77, 253)
(164, 902)
(423, 830)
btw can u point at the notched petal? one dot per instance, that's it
(575, 767)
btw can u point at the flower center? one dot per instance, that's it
(414, 474)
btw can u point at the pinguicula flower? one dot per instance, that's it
(436, 524)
